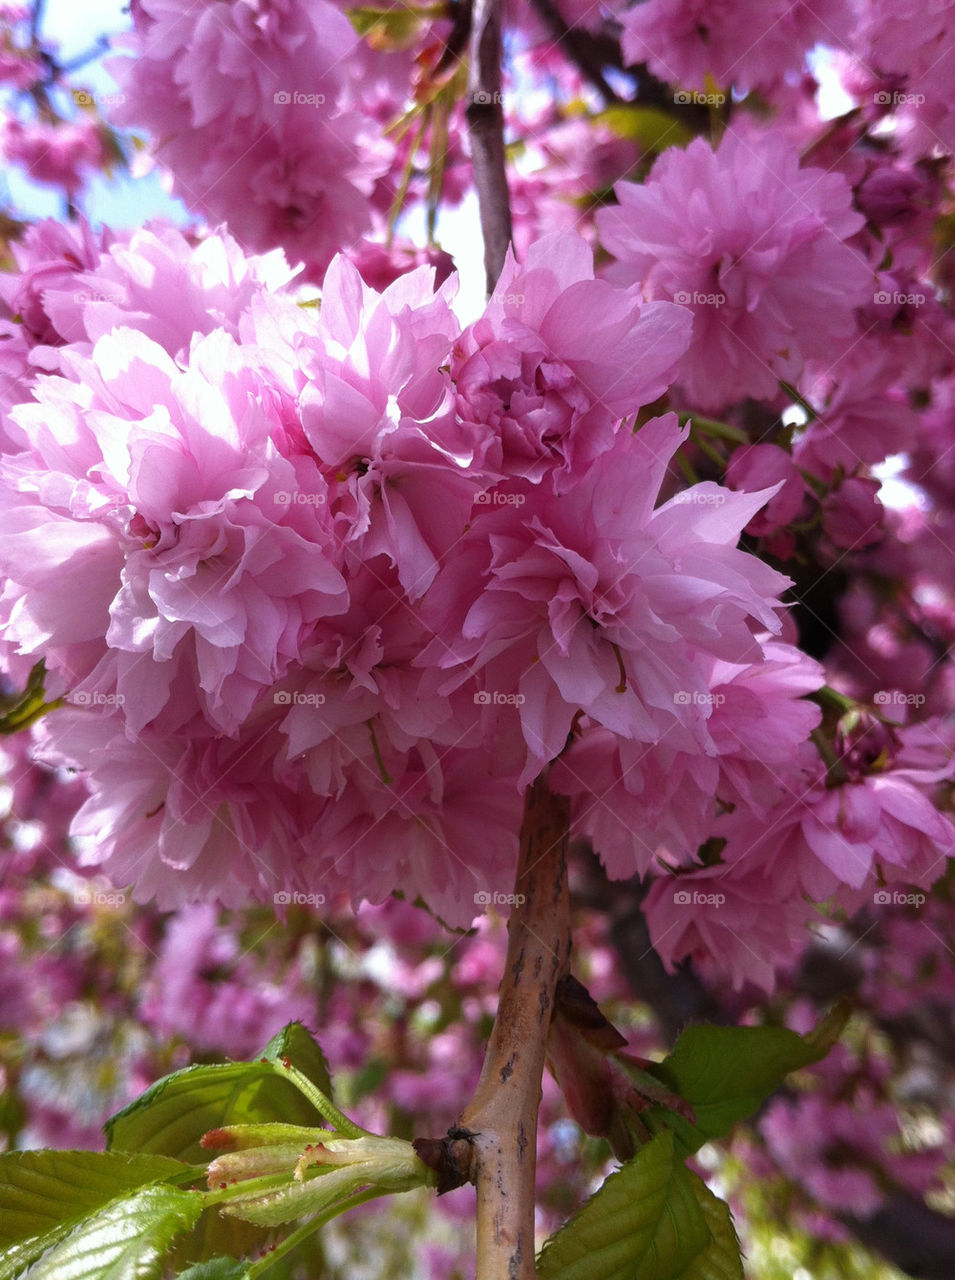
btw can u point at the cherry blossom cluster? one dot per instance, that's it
(345, 578)
(350, 581)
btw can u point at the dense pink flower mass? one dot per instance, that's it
(347, 582)
(747, 42)
(62, 155)
(905, 55)
(325, 582)
(246, 103)
(756, 247)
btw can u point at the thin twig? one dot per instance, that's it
(485, 116)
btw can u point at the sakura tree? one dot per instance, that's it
(622, 608)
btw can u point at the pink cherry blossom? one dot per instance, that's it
(61, 154)
(594, 602)
(758, 466)
(748, 43)
(852, 514)
(547, 372)
(244, 102)
(187, 542)
(756, 247)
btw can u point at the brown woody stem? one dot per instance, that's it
(485, 116)
(501, 1118)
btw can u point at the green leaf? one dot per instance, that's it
(173, 1114)
(303, 1051)
(653, 129)
(726, 1073)
(19, 710)
(721, 1259)
(645, 1221)
(215, 1236)
(385, 28)
(44, 1194)
(127, 1240)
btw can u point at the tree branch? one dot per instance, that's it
(501, 1118)
(913, 1237)
(485, 116)
(578, 46)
